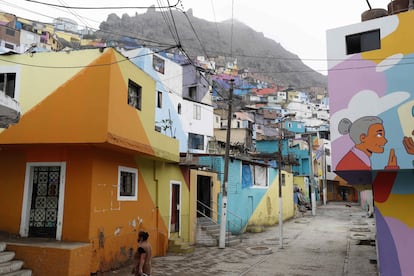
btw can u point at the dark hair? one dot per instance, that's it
(144, 235)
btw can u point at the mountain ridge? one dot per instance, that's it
(200, 37)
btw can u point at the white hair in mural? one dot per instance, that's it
(366, 103)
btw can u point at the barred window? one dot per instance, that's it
(127, 183)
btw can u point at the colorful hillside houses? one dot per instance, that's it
(85, 167)
(372, 123)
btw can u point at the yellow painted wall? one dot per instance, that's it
(215, 190)
(267, 211)
(301, 183)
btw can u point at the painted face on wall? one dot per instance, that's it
(374, 141)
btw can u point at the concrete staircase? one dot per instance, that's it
(178, 245)
(208, 233)
(9, 266)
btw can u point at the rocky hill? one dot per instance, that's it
(200, 37)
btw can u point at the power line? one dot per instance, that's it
(196, 35)
(170, 25)
(293, 58)
(82, 66)
(215, 21)
(125, 34)
(232, 28)
(74, 13)
(97, 8)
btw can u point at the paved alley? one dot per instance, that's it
(313, 245)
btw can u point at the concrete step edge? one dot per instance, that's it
(10, 266)
(6, 256)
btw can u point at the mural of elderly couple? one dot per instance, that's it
(372, 126)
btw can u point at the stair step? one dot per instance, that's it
(3, 246)
(6, 256)
(178, 245)
(182, 249)
(23, 272)
(10, 266)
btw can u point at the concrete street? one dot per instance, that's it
(313, 245)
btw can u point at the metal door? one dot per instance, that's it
(45, 201)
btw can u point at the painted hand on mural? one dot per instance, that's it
(392, 161)
(409, 144)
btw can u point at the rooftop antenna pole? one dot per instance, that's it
(369, 5)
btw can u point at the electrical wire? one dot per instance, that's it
(74, 13)
(82, 66)
(174, 25)
(198, 38)
(232, 28)
(169, 24)
(238, 55)
(215, 21)
(125, 34)
(97, 8)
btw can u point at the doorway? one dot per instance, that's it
(175, 207)
(42, 211)
(203, 196)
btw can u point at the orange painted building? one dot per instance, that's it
(84, 170)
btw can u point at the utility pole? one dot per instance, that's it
(311, 176)
(223, 219)
(325, 194)
(280, 159)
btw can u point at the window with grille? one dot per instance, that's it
(134, 95)
(197, 112)
(127, 183)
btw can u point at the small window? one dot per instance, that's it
(196, 141)
(10, 32)
(363, 42)
(9, 46)
(134, 95)
(283, 179)
(197, 112)
(127, 183)
(8, 83)
(159, 99)
(329, 168)
(158, 64)
(192, 92)
(179, 108)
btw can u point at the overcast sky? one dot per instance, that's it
(300, 26)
